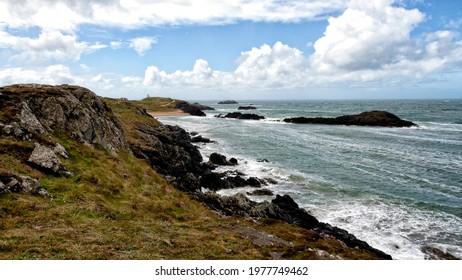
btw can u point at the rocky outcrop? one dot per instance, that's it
(21, 184)
(261, 192)
(240, 116)
(218, 159)
(372, 118)
(247, 108)
(194, 109)
(282, 208)
(170, 151)
(228, 102)
(35, 111)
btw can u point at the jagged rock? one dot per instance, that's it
(22, 184)
(200, 139)
(372, 118)
(60, 150)
(218, 159)
(261, 192)
(70, 110)
(233, 161)
(228, 102)
(192, 109)
(170, 152)
(45, 159)
(432, 253)
(29, 121)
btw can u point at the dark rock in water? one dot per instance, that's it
(251, 117)
(254, 182)
(247, 108)
(233, 161)
(218, 159)
(262, 160)
(281, 208)
(200, 139)
(234, 115)
(372, 118)
(432, 253)
(271, 181)
(239, 115)
(191, 109)
(261, 192)
(202, 107)
(228, 102)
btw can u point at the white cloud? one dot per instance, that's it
(372, 41)
(67, 15)
(142, 44)
(48, 46)
(54, 75)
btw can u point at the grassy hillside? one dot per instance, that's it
(115, 206)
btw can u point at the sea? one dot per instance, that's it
(399, 189)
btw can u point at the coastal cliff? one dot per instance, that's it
(83, 177)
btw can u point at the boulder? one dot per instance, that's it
(372, 118)
(45, 159)
(218, 159)
(21, 184)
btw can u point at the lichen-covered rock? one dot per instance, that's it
(21, 184)
(70, 110)
(45, 159)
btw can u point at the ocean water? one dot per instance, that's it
(399, 189)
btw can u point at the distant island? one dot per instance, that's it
(228, 102)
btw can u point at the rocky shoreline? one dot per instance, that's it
(34, 112)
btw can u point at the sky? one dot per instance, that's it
(238, 49)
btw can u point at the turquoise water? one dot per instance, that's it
(397, 188)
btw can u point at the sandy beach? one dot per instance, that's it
(173, 113)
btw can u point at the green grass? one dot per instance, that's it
(118, 207)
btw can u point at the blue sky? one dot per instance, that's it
(259, 49)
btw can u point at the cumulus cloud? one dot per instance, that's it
(53, 74)
(142, 44)
(48, 46)
(372, 40)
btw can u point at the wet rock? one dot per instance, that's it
(247, 108)
(233, 161)
(372, 118)
(240, 116)
(261, 192)
(432, 253)
(200, 139)
(216, 158)
(45, 159)
(271, 181)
